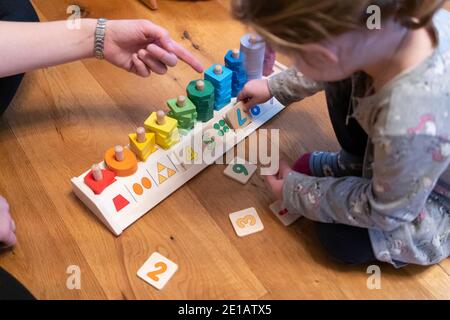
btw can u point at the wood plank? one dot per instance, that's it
(45, 246)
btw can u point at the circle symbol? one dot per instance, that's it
(137, 188)
(146, 183)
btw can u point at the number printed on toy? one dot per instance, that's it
(241, 120)
(161, 268)
(248, 220)
(240, 169)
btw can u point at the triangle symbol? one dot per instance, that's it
(171, 172)
(161, 167)
(161, 179)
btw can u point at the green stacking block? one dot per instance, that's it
(176, 110)
(202, 99)
(195, 94)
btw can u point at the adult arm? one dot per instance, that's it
(137, 46)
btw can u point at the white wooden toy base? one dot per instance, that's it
(164, 170)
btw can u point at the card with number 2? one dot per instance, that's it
(157, 270)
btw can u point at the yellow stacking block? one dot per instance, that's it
(165, 129)
(143, 149)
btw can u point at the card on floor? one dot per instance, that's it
(157, 270)
(286, 217)
(246, 222)
(240, 170)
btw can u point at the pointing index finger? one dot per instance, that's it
(187, 57)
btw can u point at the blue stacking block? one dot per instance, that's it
(222, 85)
(236, 65)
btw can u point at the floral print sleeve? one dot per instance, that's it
(291, 86)
(404, 174)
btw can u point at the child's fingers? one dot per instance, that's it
(276, 186)
(248, 104)
(243, 95)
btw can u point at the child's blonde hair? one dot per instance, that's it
(289, 24)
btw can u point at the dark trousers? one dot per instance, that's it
(11, 289)
(13, 10)
(345, 244)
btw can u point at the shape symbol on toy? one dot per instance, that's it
(240, 169)
(283, 212)
(245, 221)
(191, 155)
(255, 111)
(221, 127)
(161, 268)
(120, 202)
(162, 168)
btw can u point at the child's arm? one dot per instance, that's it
(291, 86)
(288, 87)
(137, 46)
(404, 174)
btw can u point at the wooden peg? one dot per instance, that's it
(181, 101)
(218, 69)
(161, 118)
(152, 4)
(200, 85)
(118, 153)
(235, 53)
(140, 135)
(97, 172)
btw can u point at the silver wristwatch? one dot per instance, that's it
(100, 32)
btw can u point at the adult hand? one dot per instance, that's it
(142, 47)
(7, 226)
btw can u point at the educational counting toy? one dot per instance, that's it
(132, 180)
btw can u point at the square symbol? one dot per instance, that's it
(240, 170)
(157, 270)
(287, 218)
(246, 222)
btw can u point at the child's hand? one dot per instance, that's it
(276, 182)
(142, 47)
(7, 226)
(254, 93)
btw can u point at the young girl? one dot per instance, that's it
(385, 196)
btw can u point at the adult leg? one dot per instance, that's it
(11, 289)
(20, 11)
(13, 10)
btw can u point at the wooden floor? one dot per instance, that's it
(62, 121)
